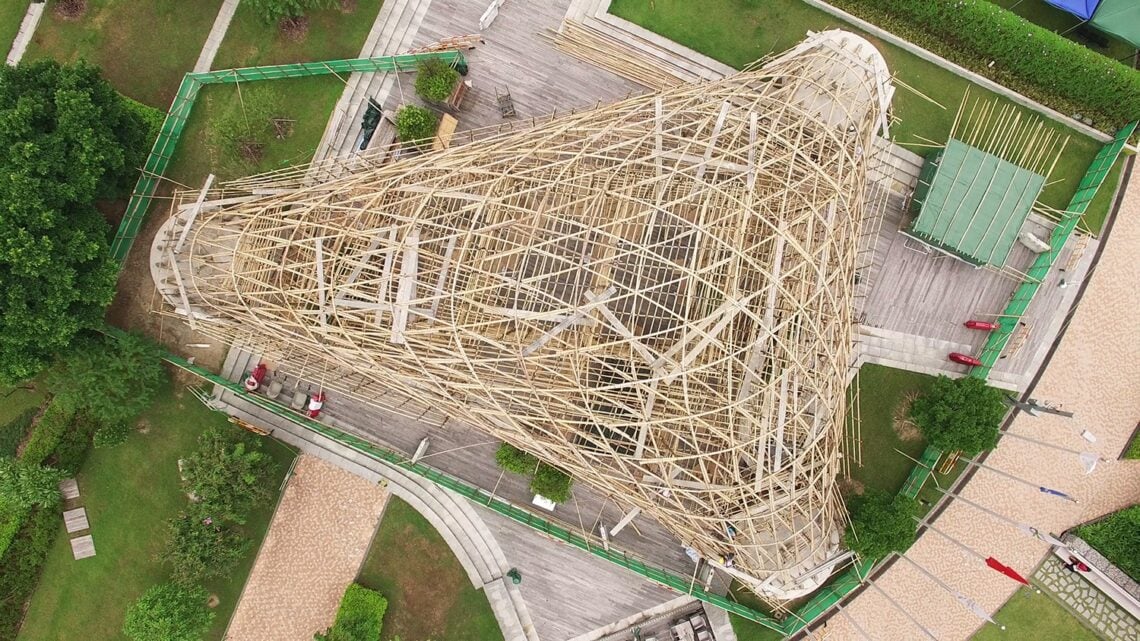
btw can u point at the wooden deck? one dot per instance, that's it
(514, 56)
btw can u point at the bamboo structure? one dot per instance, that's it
(654, 295)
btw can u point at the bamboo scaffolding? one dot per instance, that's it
(654, 295)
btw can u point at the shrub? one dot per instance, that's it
(359, 618)
(415, 125)
(512, 459)
(229, 473)
(169, 612)
(111, 379)
(12, 432)
(880, 524)
(435, 80)
(48, 431)
(271, 11)
(110, 435)
(151, 117)
(24, 484)
(1030, 59)
(960, 414)
(73, 447)
(243, 126)
(20, 567)
(11, 519)
(1117, 537)
(200, 547)
(552, 483)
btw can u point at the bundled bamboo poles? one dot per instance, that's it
(655, 295)
(595, 47)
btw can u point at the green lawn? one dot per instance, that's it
(129, 492)
(144, 48)
(333, 35)
(11, 14)
(429, 594)
(1040, 13)
(737, 33)
(881, 390)
(1028, 615)
(307, 101)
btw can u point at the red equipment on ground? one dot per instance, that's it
(986, 325)
(316, 402)
(255, 377)
(964, 359)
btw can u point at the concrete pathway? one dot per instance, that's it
(1093, 374)
(1089, 604)
(316, 543)
(27, 30)
(217, 34)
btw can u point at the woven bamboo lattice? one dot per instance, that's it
(654, 295)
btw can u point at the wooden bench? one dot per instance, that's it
(445, 133)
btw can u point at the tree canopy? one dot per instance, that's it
(960, 414)
(272, 11)
(228, 473)
(68, 140)
(880, 524)
(169, 612)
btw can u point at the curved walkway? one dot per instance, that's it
(1093, 373)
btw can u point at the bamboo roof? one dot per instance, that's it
(654, 295)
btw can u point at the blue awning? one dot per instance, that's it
(1082, 9)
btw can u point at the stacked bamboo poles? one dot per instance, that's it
(655, 295)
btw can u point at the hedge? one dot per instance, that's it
(11, 520)
(435, 80)
(20, 566)
(416, 125)
(12, 432)
(48, 431)
(359, 618)
(1117, 537)
(1028, 58)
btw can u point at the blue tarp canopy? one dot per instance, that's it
(1082, 9)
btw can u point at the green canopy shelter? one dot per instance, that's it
(972, 204)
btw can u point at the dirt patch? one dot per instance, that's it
(143, 426)
(294, 29)
(112, 211)
(70, 10)
(427, 597)
(851, 487)
(213, 601)
(347, 6)
(904, 428)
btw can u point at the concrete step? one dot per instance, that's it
(499, 597)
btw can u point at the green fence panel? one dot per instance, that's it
(1090, 183)
(506, 509)
(167, 142)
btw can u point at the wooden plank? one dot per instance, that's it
(193, 215)
(443, 269)
(571, 319)
(406, 290)
(322, 292)
(181, 289)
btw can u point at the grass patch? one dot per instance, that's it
(307, 101)
(14, 400)
(1117, 537)
(128, 504)
(881, 390)
(1028, 615)
(333, 35)
(738, 32)
(751, 631)
(144, 48)
(429, 594)
(11, 15)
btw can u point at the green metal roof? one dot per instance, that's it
(972, 203)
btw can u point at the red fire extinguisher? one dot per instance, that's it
(316, 402)
(964, 359)
(986, 325)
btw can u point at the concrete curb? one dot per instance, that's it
(27, 30)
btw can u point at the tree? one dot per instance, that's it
(273, 11)
(169, 612)
(24, 485)
(880, 524)
(229, 474)
(242, 128)
(959, 414)
(415, 125)
(111, 380)
(435, 79)
(68, 141)
(199, 546)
